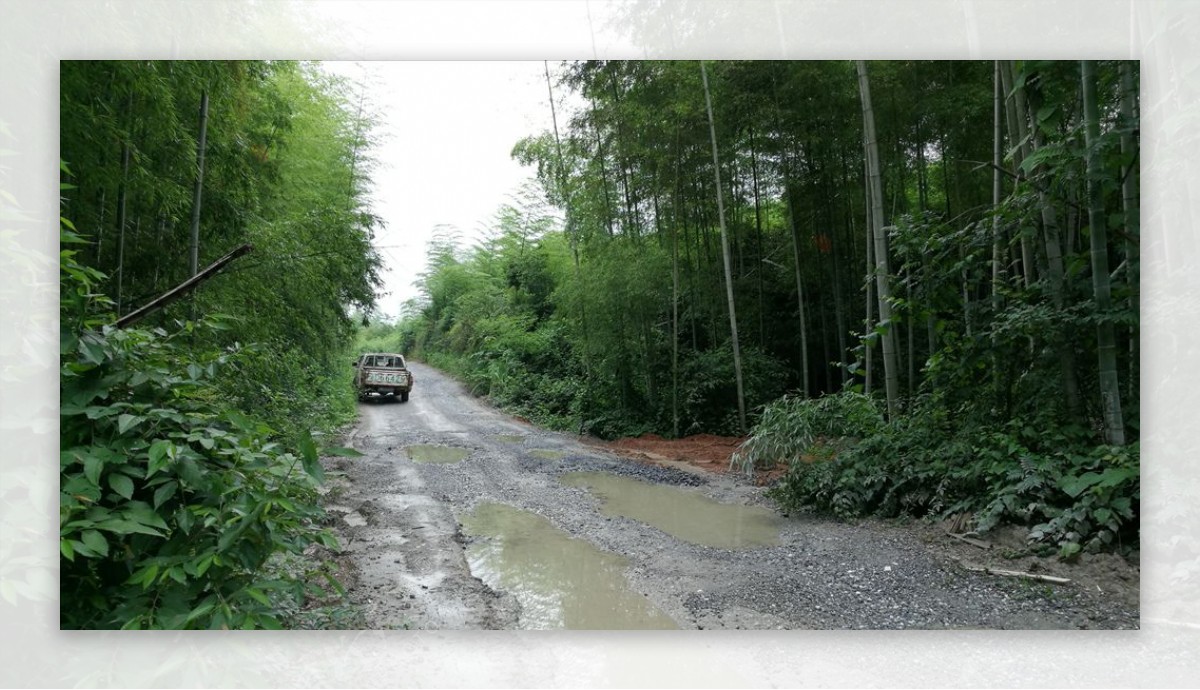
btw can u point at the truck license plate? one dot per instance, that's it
(378, 377)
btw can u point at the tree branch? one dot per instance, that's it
(183, 288)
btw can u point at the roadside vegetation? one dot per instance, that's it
(912, 283)
(190, 437)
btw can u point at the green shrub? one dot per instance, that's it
(794, 427)
(1072, 495)
(172, 503)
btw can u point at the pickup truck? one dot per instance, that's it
(382, 375)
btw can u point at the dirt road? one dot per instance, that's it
(461, 517)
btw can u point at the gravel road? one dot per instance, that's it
(408, 565)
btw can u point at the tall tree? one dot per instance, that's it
(1019, 151)
(733, 332)
(997, 187)
(796, 256)
(1130, 204)
(891, 372)
(1110, 389)
(1031, 130)
(194, 261)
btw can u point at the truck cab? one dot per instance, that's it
(382, 375)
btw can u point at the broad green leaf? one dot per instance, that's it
(1123, 507)
(204, 565)
(164, 493)
(127, 421)
(98, 514)
(119, 526)
(1035, 159)
(200, 611)
(121, 484)
(142, 513)
(240, 421)
(95, 541)
(269, 622)
(1069, 551)
(1116, 475)
(91, 350)
(190, 473)
(309, 458)
(184, 518)
(92, 467)
(82, 549)
(146, 576)
(1074, 486)
(64, 546)
(231, 534)
(257, 596)
(158, 454)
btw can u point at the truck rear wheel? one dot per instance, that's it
(404, 396)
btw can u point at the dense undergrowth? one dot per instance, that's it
(844, 460)
(189, 440)
(177, 508)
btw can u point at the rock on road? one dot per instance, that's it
(399, 525)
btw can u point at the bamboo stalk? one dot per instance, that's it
(183, 288)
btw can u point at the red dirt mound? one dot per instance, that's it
(704, 451)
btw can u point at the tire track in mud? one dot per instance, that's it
(399, 523)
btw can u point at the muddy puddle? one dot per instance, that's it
(547, 454)
(510, 438)
(560, 581)
(437, 454)
(682, 513)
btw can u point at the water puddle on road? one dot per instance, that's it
(560, 581)
(681, 513)
(510, 438)
(437, 454)
(547, 454)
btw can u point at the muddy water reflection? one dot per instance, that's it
(685, 514)
(437, 454)
(561, 582)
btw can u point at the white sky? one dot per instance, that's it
(448, 130)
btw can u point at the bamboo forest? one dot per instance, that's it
(899, 292)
